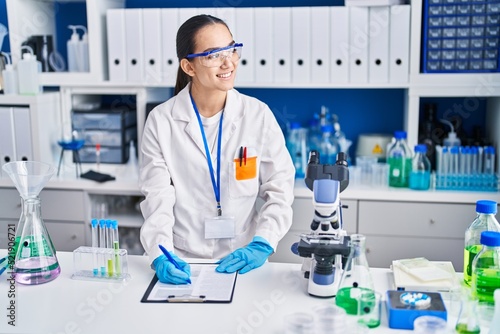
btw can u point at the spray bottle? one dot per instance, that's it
(27, 72)
(452, 139)
(73, 46)
(9, 75)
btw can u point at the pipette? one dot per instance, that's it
(95, 245)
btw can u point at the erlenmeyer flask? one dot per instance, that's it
(468, 319)
(35, 256)
(356, 279)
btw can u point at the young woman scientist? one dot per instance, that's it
(208, 153)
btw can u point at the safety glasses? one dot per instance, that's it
(216, 57)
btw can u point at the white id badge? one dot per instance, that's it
(219, 227)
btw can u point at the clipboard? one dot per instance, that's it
(208, 286)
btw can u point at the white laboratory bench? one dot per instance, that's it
(262, 298)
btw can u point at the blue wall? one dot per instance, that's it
(359, 110)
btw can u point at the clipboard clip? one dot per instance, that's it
(186, 299)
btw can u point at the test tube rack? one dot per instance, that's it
(100, 264)
(467, 182)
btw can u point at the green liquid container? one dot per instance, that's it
(486, 268)
(484, 221)
(399, 159)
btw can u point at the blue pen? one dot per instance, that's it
(171, 259)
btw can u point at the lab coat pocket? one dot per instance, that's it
(243, 180)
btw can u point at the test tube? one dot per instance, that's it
(97, 155)
(489, 160)
(95, 243)
(109, 246)
(116, 247)
(102, 244)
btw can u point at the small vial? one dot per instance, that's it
(95, 243)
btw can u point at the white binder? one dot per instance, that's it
(245, 28)
(339, 57)
(7, 139)
(263, 44)
(117, 63)
(282, 45)
(358, 44)
(228, 15)
(301, 44)
(151, 18)
(186, 13)
(378, 54)
(134, 45)
(22, 134)
(169, 61)
(320, 44)
(399, 44)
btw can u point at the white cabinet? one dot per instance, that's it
(396, 230)
(37, 17)
(63, 212)
(30, 127)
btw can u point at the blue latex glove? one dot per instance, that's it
(168, 273)
(247, 258)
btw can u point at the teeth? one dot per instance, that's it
(224, 75)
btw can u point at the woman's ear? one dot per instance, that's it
(187, 67)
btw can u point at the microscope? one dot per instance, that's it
(326, 248)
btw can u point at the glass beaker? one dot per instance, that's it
(468, 318)
(356, 277)
(35, 257)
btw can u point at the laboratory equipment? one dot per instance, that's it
(78, 54)
(326, 248)
(403, 307)
(369, 309)
(420, 176)
(399, 159)
(452, 139)
(27, 72)
(299, 323)
(486, 268)
(328, 146)
(484, 221)
(495, 322)
(429, 324)
(35, 256)
(74, 145)
(428, 133)
(9, 75)
(356, 279)
(468, 318)
(296, 144)
(373, 144)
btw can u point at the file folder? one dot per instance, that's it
(134, 45)
(22, 134)
(169, 26)
(7, 138)
(151, 18)
(358, 44)
(339, 58)
(301, 44)
(378, 54)
(117, 64)
(282, 44)
(245, 29)
(227, 14)
(320, 44)
(399, 44)
(263, 44)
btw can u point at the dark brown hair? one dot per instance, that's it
(185, 43)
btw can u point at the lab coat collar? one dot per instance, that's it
(183, 111)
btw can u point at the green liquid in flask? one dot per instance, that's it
(470, 253)
(487, 281)
(462, 329)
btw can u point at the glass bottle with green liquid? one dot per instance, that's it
(486, 268)
(399, 158)
(484, 221)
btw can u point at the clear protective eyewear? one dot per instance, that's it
(216, 57)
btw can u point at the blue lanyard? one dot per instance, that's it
(215, 183)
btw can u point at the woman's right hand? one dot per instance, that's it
(168, 273)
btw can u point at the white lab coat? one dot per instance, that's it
(176, 182)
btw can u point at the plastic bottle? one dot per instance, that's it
(84, 50)
(296, 144)
(452, 139)
(399, 159)
(484, 221)
(486, 269)
(27, 73)
(356, 278)
(313, 135)
(73, 48)
(9, 75)
(495, 322)
(328, 146)
(427, 132)
(420, 176)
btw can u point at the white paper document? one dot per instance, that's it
(207, 286)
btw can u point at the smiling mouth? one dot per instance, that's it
(225, 75)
